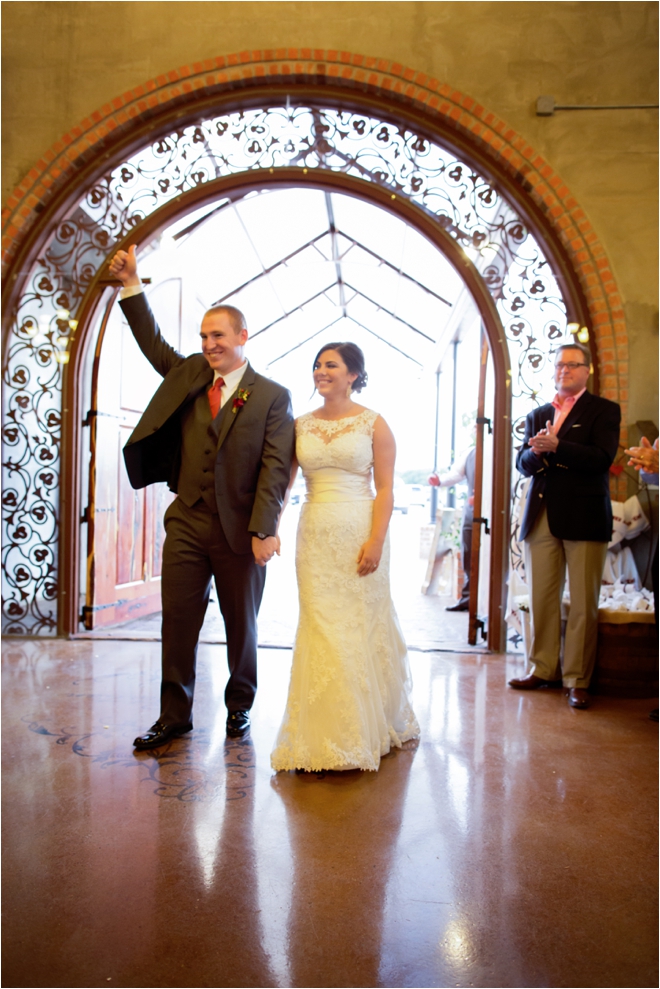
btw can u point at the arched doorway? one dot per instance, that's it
(76, 243)
(305, 266)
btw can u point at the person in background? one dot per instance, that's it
(462, 470)
(569, 447)
(644, 458)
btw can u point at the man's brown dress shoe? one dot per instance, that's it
(578, 697)
(530, 682)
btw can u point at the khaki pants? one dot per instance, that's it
(546, 560)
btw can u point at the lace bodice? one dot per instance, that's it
(337, 456)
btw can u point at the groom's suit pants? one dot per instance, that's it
(546, 560)
(195, 551)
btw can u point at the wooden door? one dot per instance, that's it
(125, 527)
(481, 523)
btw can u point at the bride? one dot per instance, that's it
(348, 701)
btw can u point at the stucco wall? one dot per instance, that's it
(63, 60)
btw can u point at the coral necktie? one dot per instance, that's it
(215, 396)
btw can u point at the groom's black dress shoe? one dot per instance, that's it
(461, 606)
(159, 733)
(238, 723)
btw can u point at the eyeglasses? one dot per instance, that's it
(570, 366)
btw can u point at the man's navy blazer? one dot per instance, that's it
(255, 445)
(573, 483)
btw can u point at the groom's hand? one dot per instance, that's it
(123, 267)
(265, 549)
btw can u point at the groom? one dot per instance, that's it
(222, 437)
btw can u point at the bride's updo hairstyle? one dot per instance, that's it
(352, 357)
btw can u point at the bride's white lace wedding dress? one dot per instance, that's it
(348, 700)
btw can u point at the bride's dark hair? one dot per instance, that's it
(352, 357)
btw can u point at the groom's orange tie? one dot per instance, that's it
(215, 396)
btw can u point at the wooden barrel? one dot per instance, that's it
(626, 660)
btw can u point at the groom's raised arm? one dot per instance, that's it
(139, 316)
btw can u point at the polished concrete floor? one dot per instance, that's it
(514, 845)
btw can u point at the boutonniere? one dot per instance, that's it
(241, 398)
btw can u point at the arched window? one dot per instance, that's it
(174, 172)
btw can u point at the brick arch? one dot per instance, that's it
(237, 78)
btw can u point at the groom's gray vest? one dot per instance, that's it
(199, 447)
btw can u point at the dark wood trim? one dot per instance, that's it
(68, 612)
(422, 221)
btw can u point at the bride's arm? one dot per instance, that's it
(384, 457)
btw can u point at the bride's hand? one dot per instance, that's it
(368, 558)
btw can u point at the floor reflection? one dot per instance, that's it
(194, 865)
(342, 837)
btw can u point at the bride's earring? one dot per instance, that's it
(349, 391)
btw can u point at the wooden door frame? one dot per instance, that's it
(71, 512)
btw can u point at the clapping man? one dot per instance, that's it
(568, 449)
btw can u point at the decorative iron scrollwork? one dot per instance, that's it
(465, 203)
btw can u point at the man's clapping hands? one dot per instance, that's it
(545, 441)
